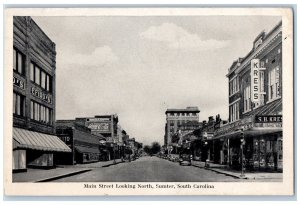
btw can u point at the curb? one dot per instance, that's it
(108, 165)
(63, 175)
(220, 172)
(227, 174)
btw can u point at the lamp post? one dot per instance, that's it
(114, 151)
(242, 153)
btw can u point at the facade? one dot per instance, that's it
(34, 64)
(85, 146)
(254, 132)
(106, 126)
(177, 117)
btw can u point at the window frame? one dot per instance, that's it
(40, 113)
(273, 82)
(47, 84)
(16, 63)
(19, 104)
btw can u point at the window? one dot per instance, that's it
(40, 113)
(37, 75)
(31, 72)
(233, 86)
(274, 88)
(247, 100)
(19, 62)
(43, 79)
(18, 104)
(234, 112)
(40, 77)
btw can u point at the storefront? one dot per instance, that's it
(86, 147)
(34, 149)
(260, 134)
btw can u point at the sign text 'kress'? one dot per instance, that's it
(255, 84)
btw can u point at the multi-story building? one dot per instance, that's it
(34, 64)
(177, 117)
(255, 106)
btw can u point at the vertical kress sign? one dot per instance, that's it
(255, 83)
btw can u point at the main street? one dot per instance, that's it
(148, 169)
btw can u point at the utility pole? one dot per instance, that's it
(242, 154)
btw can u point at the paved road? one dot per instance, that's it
(149, 169)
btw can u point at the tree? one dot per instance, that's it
(155, 148)
(147, 149)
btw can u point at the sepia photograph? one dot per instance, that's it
(122, 101)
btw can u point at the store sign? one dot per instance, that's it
(19, 83)
(98, 119)
(244, 123)
(269, 125)
(255, 84)
(42, 95)
(99, 126)
(268, 118)
(207, 136)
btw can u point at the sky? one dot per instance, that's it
(138, 67)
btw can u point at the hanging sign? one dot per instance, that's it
(255, 84)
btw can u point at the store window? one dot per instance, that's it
(274, 88)
(19, 62)
(40, 77)
(18, 104)
(40, 113)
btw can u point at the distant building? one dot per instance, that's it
(177, 117)
(34, 94)
(105, 125)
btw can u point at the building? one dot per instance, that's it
(86, 147)
(177, 117)
(254, 132)
(105, 126)
(34, 66)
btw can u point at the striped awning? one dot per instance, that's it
(38, 141)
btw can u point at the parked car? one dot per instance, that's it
(185, 157)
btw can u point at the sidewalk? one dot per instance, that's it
(94, 164)
(222, 169)
(42, 175)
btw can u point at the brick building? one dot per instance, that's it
(34, 55)
(177, 117)
(255, 106)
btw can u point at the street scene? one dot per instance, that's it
(147, 99)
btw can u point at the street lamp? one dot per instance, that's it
(242, 154)
(114, 151)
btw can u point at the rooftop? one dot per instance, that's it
(188, 109)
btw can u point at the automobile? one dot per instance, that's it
(185, 157)
(172, 158)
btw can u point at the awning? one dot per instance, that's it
(83, 149)
(263, 130)
(273, 108)
(38, 141)
(254, 131)
(229, 135)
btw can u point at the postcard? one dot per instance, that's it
(148, 101)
